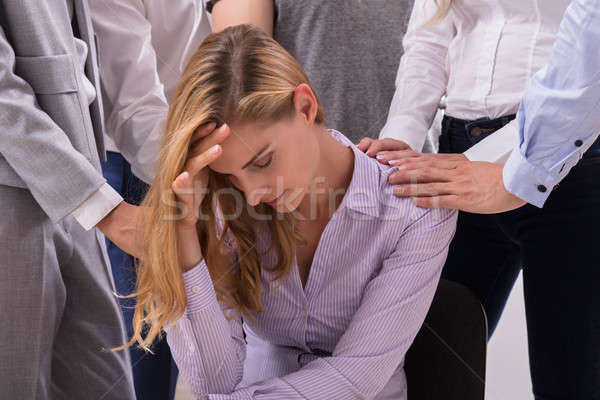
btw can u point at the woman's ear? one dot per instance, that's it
(305, 103)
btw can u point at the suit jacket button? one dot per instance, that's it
(541, 188)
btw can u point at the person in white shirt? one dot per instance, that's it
(143, 48)
(481, 55)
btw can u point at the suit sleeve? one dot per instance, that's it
(59, 177)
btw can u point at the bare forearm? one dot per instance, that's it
(227, 13)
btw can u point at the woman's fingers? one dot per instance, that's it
(203, 131)
(418, 162)
(184, 189)
(421, 175)
(424, 190)
(386, 144)
(439, 159)
(217, 136)
(389, 157)
(196, 163)
(450, 201)
(364, 144)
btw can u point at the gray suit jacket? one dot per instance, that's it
(50, 139)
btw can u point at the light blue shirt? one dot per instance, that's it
(559, 116)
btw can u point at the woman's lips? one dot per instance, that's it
(274, 201)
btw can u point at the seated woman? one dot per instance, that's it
(318, 285)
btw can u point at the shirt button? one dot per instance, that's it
(304, 313)
(578, 143)
(196, 289)
(541, 188)
(192, 348)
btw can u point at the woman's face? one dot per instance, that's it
(274, 164)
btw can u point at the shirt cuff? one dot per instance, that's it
(497, 147)
(199, 288)
(97, 206)
(526, 181)
(398, 128)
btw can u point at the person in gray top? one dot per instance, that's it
(350, 50)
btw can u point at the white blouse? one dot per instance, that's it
(480, 56)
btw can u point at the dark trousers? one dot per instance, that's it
(154, 375)
(557, 247)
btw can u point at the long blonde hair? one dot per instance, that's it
(237, 75)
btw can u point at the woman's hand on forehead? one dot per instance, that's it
(207, 136)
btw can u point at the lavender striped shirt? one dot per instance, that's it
(343, 336)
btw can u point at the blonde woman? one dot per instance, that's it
(279, 265)
(481, 55)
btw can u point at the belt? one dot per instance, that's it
(479, 126)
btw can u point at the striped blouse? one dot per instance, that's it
(344, 335)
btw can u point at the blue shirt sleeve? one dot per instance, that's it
(559, 116)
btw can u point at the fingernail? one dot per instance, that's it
(393, 162)
(214, 149)
(379, 156)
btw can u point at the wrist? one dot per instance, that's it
(107, 223)
(190, 252)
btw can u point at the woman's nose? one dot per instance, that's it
(255, 195)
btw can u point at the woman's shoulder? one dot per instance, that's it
(402, 208)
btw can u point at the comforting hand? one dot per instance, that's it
(123, 227)
(190, 188)
(451, 181)
(386, 150)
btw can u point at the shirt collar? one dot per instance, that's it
(363, 193)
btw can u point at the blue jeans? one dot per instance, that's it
(154, 375)
(557, 248)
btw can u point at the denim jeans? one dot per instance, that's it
(557, 247)
(154, 375)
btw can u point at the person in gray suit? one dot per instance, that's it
(59, 317)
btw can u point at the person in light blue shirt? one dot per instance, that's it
(552, 154)
(559, 117)
(558, 121)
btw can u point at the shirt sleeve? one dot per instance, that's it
(559, 117)
(97, 206)
(422, 78)
(134, 99)
(392, 310)
(207, 343)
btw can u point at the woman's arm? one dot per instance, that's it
(208, 348)
(227, 13)
(393, 307)
(422, 77)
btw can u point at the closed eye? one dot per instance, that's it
(265, 161)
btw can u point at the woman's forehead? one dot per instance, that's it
(242, 144)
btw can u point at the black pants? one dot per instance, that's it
(558, 248)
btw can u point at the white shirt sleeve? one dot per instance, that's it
(97, 206)
(422, 77)
(134, 99)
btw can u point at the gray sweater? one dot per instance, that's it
(350, 50)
